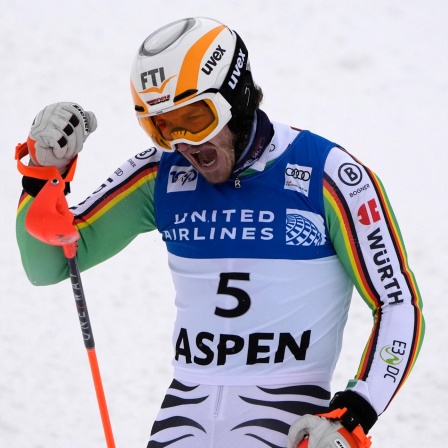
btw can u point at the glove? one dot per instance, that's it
(345, 425)
(58, 133)
(314, 431)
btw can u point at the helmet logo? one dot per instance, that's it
(156, 101)
(212, 62)
(236, 71)
(152, 74)
(158, 89)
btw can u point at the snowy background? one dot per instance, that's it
(371, 75)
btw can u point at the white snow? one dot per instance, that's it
(372, 76)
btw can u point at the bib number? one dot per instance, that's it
(240, 295)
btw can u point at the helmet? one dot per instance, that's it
(187, 61)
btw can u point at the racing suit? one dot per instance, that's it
(263, 267)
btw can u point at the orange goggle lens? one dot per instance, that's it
(194, 123)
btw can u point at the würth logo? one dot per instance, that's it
(368, 213)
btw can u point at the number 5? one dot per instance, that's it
(239, 294)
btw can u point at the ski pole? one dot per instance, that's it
(89, 343)
(50, 220)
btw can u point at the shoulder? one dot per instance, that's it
(289, 137)
(148, 156)
(345, 169)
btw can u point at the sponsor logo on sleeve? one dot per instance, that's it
(393, 356)
(384, 267)
(146, 154)
(297, 178)
(389, 357)
(368, 213)
(350, 174)
(359, 190)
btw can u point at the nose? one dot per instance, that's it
(182, 147)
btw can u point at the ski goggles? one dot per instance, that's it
(193, 123)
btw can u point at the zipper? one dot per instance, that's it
(218, 401)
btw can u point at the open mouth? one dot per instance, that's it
(205, 157)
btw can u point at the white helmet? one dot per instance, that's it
(191, 60)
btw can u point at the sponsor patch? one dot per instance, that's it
(182, 178)
(297, 178)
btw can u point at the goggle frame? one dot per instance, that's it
(219, 107)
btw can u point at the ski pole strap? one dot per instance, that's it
(41, 172)
(49, 218)
(357, 432)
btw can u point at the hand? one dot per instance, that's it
(58, 134)
(322, 432)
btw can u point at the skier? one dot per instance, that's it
(267, 227)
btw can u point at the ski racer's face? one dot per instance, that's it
(213, 159)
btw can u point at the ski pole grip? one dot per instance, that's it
(41, 172)
(49, 218)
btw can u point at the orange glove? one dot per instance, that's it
(325, 430)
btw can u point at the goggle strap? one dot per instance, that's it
(232, 81)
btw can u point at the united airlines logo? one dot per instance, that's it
(304, 228)
(298, 178)
(182, 178)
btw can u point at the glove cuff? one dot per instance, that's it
(32, 186)
(359, 410)
(35, 177)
